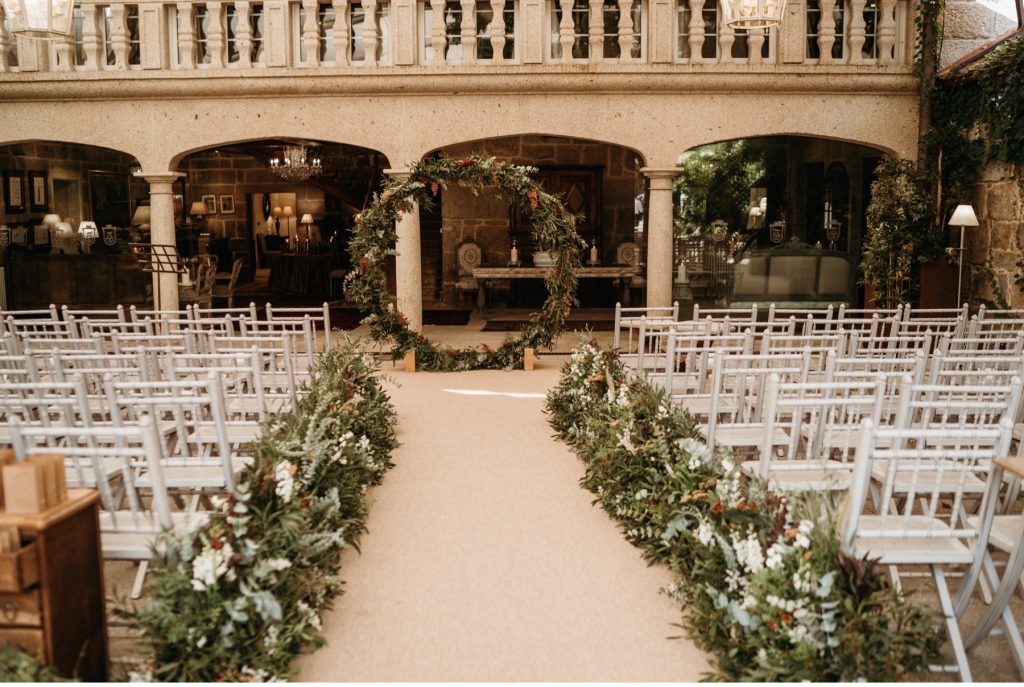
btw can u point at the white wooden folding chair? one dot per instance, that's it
(821, 423)
(627, 320)
(126, 533)
(918, 521)
(1007, 535)
(200, 456)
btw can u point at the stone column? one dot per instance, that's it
(408, 271)
(659, 236)
(161, 231)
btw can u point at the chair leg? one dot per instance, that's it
(140, 577)
(952, 626)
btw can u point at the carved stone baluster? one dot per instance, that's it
(566, 30)
(5, 65)
(887, 32)
(342, 45)
(243, 33)
(119, 35)
(726, 39)
(311, 33)
(186, 37)
(625, 27)
(438, 37)
(65, 49)
(497, 30)
(215, 35)
(696, 39)
(596, 34)
(468, 31)
(826, 32)
(91, 43)
(857, 26)
(755, 42)
(371, 34)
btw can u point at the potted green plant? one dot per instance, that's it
(899, 234)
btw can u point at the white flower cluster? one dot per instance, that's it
(699, 455)
(210, 565)
(748, 553)
(284, 475)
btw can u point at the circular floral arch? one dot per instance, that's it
(554, 229)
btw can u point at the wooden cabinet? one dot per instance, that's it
(62, 618)
(38, 279)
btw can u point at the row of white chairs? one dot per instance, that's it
(873, 325)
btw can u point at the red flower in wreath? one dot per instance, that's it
(358, 217)
(532, 195)
(467, 162)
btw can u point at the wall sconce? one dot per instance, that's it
(88, 232)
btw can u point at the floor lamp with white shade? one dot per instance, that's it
(962, 217)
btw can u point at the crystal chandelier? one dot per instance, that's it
(753, 14)
(295, 164)
(41, 19)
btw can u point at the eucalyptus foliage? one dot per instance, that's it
(765, 585)
(554, 229)
(237, 598)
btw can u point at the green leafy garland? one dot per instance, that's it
(764, 582)
(239, 597)
(554, 229)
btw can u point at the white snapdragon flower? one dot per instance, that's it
(284, 475)
(775, 554)
(705, 533)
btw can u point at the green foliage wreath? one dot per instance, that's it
(554, 229)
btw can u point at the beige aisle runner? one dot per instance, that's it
(485, 560)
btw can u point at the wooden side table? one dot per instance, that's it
(62, 619)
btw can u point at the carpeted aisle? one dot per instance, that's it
(485, 559)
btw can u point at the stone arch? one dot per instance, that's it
(177, 158)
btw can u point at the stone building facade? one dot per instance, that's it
(626, 86)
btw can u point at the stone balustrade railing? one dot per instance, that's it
(391, 34)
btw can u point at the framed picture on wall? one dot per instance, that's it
(210, 203)
(227, 205)
(14, 193)
(38, 192)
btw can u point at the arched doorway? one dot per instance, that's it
(253, 202)
(65, 222)
(743, 197)
(597, 180)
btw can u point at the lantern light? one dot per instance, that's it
(40, 19)
(753, 14)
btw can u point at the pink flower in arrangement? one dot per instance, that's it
(358, 217)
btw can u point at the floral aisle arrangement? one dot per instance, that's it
(237, 598)
(554, 229)
(766, 587)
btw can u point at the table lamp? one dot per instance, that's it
(962, 217)
(307, 222)
(141, 217)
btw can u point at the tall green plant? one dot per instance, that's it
(714, 183)
(900, 234)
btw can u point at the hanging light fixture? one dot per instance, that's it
(295, 164)
(753, 14)
(40, 19)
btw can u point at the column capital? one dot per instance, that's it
(660, 172)
(158, 178)
(398, 172)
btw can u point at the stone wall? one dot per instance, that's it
(968, 25)
(994, 248)
(221, 174)
(486, 220)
